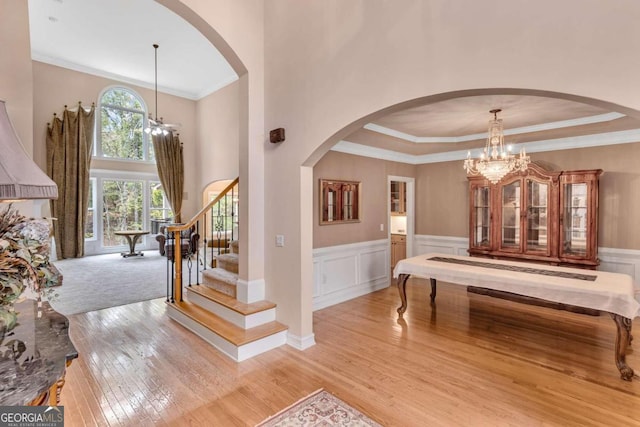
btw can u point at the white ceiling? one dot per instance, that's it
(115, 39)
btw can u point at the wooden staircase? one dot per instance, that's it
(210, 308)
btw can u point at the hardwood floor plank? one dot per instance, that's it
(469, 360)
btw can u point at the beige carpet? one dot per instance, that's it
(320, 408)
(102, 281)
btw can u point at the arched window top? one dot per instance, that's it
(121, 123)
(122, 97)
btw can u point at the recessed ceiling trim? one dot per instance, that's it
(514, 131)
(349, 147)
(585, 141)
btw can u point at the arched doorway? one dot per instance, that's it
(547, 123)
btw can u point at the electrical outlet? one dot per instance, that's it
(381, 227)
(279, 240)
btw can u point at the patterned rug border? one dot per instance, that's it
(281, 417)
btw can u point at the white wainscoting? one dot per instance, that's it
(343, 272)
(625, 261)
(424, 244)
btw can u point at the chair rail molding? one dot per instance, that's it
(424, 244)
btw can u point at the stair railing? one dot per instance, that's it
(222, 215)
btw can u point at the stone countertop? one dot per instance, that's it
(34, 355)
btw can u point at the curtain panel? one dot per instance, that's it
(170, 164)
(69, 148)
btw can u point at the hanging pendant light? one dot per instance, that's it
(496, 161)
(156, 125)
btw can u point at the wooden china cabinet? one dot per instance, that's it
(537, 216)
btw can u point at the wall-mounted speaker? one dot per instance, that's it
(276, 135)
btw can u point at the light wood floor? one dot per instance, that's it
(471, 361)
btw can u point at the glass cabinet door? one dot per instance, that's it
(575, 220)
(398, 197)
(510, 216)
(537, 210)
(481, 217)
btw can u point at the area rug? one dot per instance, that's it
(101, 281)
(320, 408)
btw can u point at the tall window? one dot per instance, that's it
(122, 208)
(123, 195)
(90, 225)
(122, 121)
(159, 208)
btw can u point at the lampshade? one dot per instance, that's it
(20, 177)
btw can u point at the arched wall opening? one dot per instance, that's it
(246, 54)
(614, 185)
(323, 148)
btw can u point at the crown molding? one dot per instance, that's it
(36, 56)
(514, 131)
(569, 143)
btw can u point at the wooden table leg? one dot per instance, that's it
(433, 290)
(402, 289)
(623, 338)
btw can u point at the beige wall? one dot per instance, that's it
(441, 199)
(16, 77)
(54, 87)
(372, 174)
(218, 125)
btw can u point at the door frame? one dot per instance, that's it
(410, 209)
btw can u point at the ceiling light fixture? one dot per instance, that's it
(495, 162)
(156, 126)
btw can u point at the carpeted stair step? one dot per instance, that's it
(221, 280)
(228, 262)
(235, 247)
(240, 314)
(238, 343)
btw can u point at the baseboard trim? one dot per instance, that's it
(250, 291)
(301, 343)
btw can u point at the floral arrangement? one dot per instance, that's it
(24, 262)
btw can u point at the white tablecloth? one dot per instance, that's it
(611, 292)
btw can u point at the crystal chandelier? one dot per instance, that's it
(156, 126)
(495, 162)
